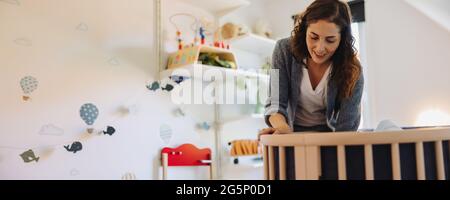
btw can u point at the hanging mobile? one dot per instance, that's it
(178, 33)
(202, 35)
(180, 41)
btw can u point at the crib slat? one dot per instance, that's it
(282, 162)
(395, 154)
(312, 162)
(300, 162)
(368, 158)
(420, 161)
(342, 169)
(271, 164)
(439, 160)
(319, 162)
(265, 162)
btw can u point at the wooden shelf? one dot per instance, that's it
(218, 7)
(189, 70)
(254, 43)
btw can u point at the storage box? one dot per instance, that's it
(189, 56)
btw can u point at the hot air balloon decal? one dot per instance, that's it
(89, 113)
(28, 84)
(165, 132)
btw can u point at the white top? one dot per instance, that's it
(311, 109)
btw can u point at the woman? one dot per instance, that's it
(317, 81)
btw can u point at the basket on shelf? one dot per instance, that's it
(202, 54)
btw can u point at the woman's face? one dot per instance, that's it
(322, 39)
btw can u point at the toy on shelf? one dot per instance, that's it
(244, 148)
(180, 41)
(202, 54)
(202, 36)
(194, 27)
(185, 155)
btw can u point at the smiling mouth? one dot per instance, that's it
(320, 56)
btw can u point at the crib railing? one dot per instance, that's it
(307, 151)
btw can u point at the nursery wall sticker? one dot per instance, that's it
(153, 86)
(178, 112)
(178, 79)
(13, 2)
(82, 27)
(168, 87)
(89, 113)
(51, 129)
(129, 176)
(76, 146)
(28, 84)
(204, 126)
(23, 42)
(28, 156)
(109, 130)
(165, 132)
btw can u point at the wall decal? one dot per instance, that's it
(82, 27)
(129, 176)
(203, 126)
(168, 87)
(178, 112)
(89, 113)
(28, 156)
(165, 132)
(28, 84)
(76, 146)
(23, 42)
(109, 131)
(178, 79)
(13, 2)
(153, 86)
(51, 129)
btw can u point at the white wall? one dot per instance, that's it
(407, 55)
(280, 13)
(107, 62)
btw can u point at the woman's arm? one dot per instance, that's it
(350, 111)
(279, 87)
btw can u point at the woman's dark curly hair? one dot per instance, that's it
(346, 67)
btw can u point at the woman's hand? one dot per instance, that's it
(271, 130)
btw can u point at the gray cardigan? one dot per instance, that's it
(284, 91)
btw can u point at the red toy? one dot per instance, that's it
(185, 155)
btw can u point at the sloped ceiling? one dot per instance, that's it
(437, 10)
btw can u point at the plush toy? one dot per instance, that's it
(229, 31)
